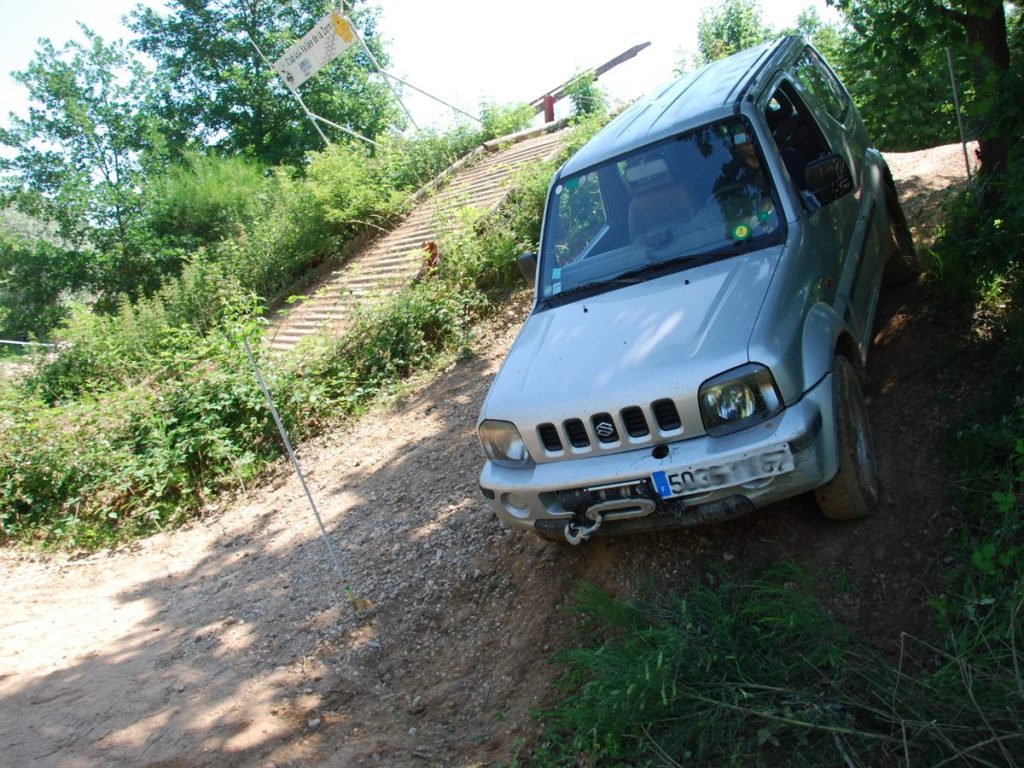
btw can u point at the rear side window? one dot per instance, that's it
(815, 76)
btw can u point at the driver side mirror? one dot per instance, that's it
(528, 266)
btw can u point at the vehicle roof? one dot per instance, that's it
(709, 93)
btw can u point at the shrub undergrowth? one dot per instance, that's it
(152, 411)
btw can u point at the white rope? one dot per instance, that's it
(27, 343)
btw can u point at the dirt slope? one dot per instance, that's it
(229, 643)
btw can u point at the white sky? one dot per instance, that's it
(463, 52)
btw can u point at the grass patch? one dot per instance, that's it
(756, 672)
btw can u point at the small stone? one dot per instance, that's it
(413, 731)
(314, 723)
(180, 687)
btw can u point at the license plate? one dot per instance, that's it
(735, 470)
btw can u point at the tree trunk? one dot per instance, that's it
(989, 35)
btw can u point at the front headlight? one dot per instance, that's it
(503, 445)
(738, 399)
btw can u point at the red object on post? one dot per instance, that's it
(549, 108)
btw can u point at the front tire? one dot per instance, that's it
(854, 491)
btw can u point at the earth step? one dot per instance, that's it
(408, 246)
(396, 264)
(394, 259)
(375, 281)
(339, 310)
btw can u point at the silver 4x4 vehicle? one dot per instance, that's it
(709, 268)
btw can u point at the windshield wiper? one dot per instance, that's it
(694, 258)
(640, 274)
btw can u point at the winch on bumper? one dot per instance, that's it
(616, 493)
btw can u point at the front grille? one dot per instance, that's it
(666, 415)
(577, 433)
(549, 437)
(604, 431)
(634, 421)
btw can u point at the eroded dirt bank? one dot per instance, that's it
(230, 643)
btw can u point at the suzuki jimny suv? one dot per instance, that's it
(708, 272)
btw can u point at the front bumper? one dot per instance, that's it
(535, 498)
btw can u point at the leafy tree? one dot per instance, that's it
(587, 98)
(79, 155)
(905, 100)
(218, 90)
(730, 27)
(914, 32)
(826, 37)
(33, 276)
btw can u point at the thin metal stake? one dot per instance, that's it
(298, 471)
(387, 81)
(432, 96)
(959, 117)
(291, 90)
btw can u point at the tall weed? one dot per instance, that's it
(755, 672)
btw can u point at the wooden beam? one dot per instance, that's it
(559, 92)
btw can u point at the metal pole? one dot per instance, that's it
(431, 96)
(27, 343)
(349, 131)
(959, 117)
(386, 80)
(290, 90)
(302, 479)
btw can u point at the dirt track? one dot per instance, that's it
(230, 643)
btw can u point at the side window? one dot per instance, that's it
(804, 150)
(814, 75)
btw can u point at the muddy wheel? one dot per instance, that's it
(853, 492)
(904, 265)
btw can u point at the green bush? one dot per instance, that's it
(35, 275)
(502, 120)
(739, 674)
(138, 458)
(202, 199)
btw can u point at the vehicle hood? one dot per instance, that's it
(632, 346)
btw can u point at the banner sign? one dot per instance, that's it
(317, 48)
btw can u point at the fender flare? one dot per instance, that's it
(825, 334)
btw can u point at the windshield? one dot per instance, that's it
(701, 194)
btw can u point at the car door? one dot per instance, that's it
(809, 138)
(859, 215)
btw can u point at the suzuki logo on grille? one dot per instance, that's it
(605, 429)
